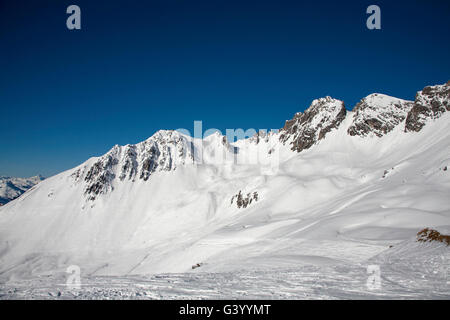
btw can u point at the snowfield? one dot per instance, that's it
(152, 221)
(408, 271)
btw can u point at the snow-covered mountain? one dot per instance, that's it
(306, 129)
(378, 115)
(342, 187)
(11, 188)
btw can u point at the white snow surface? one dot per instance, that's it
(322, 216)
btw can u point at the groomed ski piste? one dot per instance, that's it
(333, 219)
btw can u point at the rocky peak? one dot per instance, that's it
(307, 128)
(430, 103)
(377, 114)
(163, 151)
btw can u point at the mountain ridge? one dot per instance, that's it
(375, 115)
(165, 204)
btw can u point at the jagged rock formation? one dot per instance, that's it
(307, 128)
(377, 114)
(164, 151)
(243, 202)
(12, 188)
(130, 165)
(101, 174)
(430, 103)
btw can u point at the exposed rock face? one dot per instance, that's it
(12, 188)
(430, 103)
(377, 114)
(130, 165)
(430, 235)
(244, 201)
(307, 128)
(100, 175)
(164, 151)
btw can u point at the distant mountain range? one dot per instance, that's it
(12, 188)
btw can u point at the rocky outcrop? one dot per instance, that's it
(378, 114)
(430, 235)
(307, 128)
(164, 151)
(430, 103)
(100, 176)
(130, 165)
(244, 201)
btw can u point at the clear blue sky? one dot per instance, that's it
(140, 66)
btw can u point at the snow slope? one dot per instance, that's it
(164, 205)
